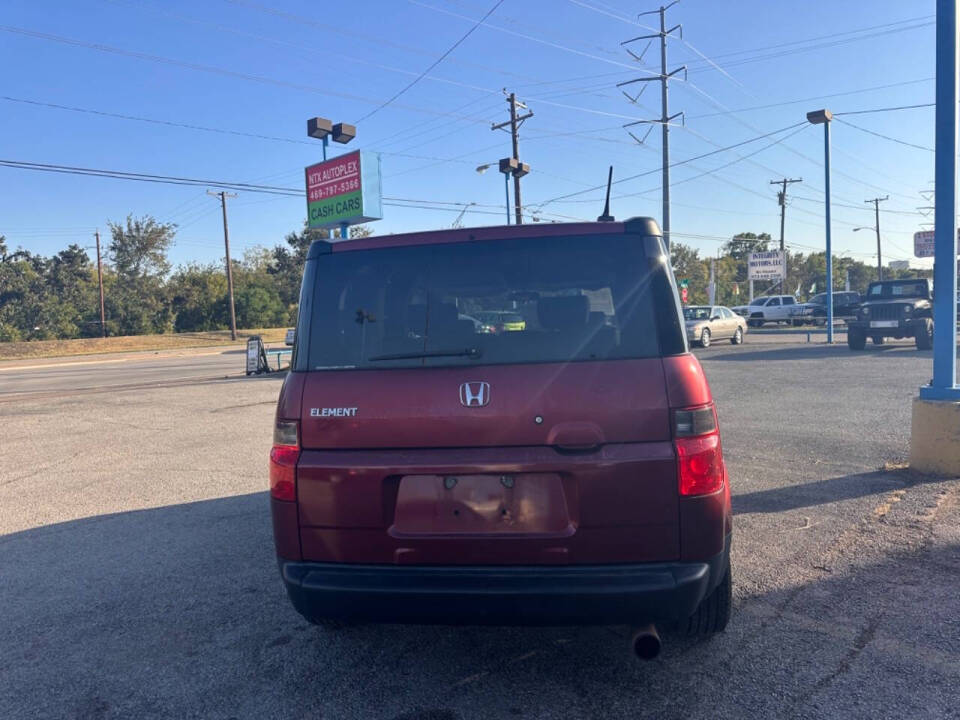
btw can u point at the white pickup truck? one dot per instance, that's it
(770, 308)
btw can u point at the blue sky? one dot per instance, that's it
(263, 67)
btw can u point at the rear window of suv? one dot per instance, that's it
(903, 288)
(524, 300)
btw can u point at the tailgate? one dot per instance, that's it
(618, 504)
(571, 406)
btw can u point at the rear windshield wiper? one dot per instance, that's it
(466, 352)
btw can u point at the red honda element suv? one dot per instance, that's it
(426, 471)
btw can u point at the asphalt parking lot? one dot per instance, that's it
(137, 577)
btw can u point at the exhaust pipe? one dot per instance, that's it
(645, 642)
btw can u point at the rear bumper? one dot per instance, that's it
(502, 595)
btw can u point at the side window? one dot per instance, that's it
(773, 302)
(788, 300)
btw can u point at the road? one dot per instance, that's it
(137, 577)
(19, 378)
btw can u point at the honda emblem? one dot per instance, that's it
(474, 394)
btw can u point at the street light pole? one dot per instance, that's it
(506, 191)
(876, 226)
(944, 383)
(823, 117)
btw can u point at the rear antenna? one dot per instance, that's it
(607, 217)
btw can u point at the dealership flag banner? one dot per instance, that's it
(766, 266)
(344, 191)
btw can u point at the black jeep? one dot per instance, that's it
(894, 308)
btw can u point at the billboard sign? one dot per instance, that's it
(766, 266)
(344, 190)
(923, 243)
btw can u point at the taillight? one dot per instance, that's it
(700, 467)
(283, 461)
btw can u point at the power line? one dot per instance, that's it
(301, 20)
(531, 38)
(811, 99)
(433, 65)
(229, 185)
(675, 164)
(886, 28)
(885, 137)
(885, 109)
(146, 177)
(203, 128)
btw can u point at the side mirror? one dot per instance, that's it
(715, 317)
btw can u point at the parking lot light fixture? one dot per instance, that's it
(319, 129)
(823, 117)
(343, 133)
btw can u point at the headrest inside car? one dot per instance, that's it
(563, 313)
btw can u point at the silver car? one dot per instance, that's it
(706, 323)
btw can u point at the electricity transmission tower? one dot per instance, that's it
(665, 116)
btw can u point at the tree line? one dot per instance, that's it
(806, 273)
(57, 297)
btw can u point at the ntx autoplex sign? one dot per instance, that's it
(344, 191)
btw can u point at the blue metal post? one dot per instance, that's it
(344, 231)
(944, 384)
(826, 183)
(326, 139)
(506, 186)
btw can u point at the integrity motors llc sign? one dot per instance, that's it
(923, 245)
(344, 191)
(766, 266)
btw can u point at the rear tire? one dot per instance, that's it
(877, 339)
(705, 338)
(755, 322)
(737, 338)
(856, 339)
(924, 336)
(713, 613)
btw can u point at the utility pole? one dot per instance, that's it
(876, 209)
(521, 169)
(103, 322)
(665, 116)
(782, 200)
(226, 244)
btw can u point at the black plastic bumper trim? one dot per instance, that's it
(502, 595)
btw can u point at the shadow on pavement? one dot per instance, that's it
(178, 611)
(807, 352)
(844, 487)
